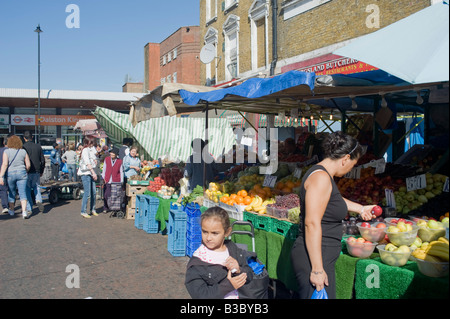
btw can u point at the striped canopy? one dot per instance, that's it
(167, 136)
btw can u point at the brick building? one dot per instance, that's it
(306, 33)
(174, 60)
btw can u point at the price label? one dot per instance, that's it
(445, 189)
(269, 181)
(355, 173)
(380, 166)
(390, 198)
(416, 182)
(247, 141)
(298, 172)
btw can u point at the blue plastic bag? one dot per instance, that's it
(322, 294)
(64, 168)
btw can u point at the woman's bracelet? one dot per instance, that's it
(317, 272)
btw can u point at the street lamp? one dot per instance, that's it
(38, 30)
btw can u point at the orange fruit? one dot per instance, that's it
(239, 200)
(233, 196)
(242, 193)
(247, 200)
(224, 199)
(231, 202)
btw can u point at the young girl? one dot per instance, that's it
(218, 268)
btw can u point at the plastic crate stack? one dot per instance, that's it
(176, 241)
(193, 228)
(146, 208)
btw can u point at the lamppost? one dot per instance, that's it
(38, 30)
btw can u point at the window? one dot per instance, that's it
(169, 57)
(174, 53)
(230, 4)
(174, 76)
(164, 60)
(169, 79)
(292, 8)
(231, 32)
(258, 14)
(211, 36)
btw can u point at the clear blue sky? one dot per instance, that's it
(108, 45)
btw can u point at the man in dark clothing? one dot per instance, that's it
(125, 148)
(37, 161)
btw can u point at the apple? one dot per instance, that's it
(408, 222)
(403, 249)
(408, 227)
(401, 226)
(433, 224)
(365, 224)
(417, 242)
(390, 247)
(381, 225)
(360, 240)
(377, 210)
(393, 229)
(422, 223)
(394, 221)
(401, 220)
(351, 239)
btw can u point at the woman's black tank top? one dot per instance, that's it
(335, 211)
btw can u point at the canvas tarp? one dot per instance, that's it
(169, 137)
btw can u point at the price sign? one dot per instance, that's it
(380, 166)
(445, 189)
(298, 172)
(247, 141)
(355, 173)
(269, 181)
(416, 182)
(390, 198)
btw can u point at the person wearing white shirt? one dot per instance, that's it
(88, 162)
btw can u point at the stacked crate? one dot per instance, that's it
(131, 191)
(176, 241)
(193, 228)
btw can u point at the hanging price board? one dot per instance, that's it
(390, 198)
(445, 189)
(416, 182)
(269, 181)
(355, 173)
(298, 172)
(380, 166)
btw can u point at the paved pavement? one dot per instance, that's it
(114, 260)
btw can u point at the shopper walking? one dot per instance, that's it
(37, 166)
(55, 160)
(88, 176)
(70, 158)
(318, 246)
(3, 188)
(113, 176)
(17, 162)
(125, 148)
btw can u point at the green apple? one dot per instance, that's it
(393, 229)
(429, 195)
(390, 247)
(422, 199)
(417, 242)
(403, 249)
(401, 227)
(422, 223)
(433, 224)
(408, 227)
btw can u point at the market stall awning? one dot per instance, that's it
(163, 100)
(414, 49)
(169, 137)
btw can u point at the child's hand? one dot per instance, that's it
(231, 264)
(237, 281)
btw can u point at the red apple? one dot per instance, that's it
(365, 224)
(394, 221)
(409, 222)
(381, 225)
(377, 210)
(351, 239)
(401, 220)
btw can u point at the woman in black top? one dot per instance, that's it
(318, 246)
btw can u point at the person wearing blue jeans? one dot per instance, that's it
(17, 162)
(37, 161)
(88, 162)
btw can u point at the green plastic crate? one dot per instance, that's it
(284, 228)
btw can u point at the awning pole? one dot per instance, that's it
(206, 146)
(248, 121)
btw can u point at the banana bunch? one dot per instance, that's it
(258, 205)
(435, 251)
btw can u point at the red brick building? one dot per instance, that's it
(174, 60)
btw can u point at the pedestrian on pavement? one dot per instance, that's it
(113, 176)
(37, 161)
(17, 162)
(55, 160)
(218, 268)
(88, 162)
(70, 158)
(3, 188)
(131, 163)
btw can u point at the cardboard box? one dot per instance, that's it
(132, 201)
(130, 213)
(135, 190)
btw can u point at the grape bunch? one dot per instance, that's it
(287, 201)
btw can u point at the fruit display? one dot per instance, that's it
(166, 191)
(372, 232)
(402, 234)
(395, 221)
(171, 175)
(369, 189)
(196, 192)
(294, 215)
(435, 251)
(411, 201)
(283, 203)
(359, 247)
(258, 205)
(431, 230)
(393, 255)
(239, 198)
(213, 193)
(156, 184)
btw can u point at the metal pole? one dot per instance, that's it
(38, 30)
